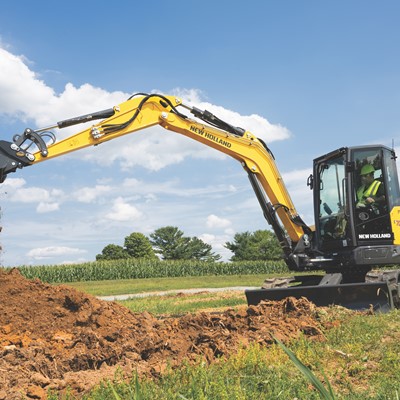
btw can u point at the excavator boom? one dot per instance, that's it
(144, 111)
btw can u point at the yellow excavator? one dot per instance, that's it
(355, 189)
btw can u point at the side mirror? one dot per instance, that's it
(310, 182)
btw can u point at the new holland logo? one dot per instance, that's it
(369, 236)
(210, 136)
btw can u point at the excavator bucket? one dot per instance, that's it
(357, 296)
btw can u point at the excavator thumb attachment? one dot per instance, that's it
(381, 296)
(14, 155)
(11, 158)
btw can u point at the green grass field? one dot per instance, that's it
(132, 286)
(359, 358)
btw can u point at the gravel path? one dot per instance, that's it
(167, 292)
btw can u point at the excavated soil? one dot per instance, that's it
(56, 337)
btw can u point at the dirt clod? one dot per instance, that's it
(56, 337)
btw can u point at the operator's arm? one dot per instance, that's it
(379, 197)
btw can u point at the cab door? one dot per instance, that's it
(374, 203)
(331, 201)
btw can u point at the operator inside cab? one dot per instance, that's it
(371, 191)
(371, 205)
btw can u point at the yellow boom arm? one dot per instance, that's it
(144, 111)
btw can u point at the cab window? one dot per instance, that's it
(370, 195)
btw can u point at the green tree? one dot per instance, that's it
(112, 252)
(200, 250)
(138, 245)
(259, 245)
(239, 246)
(171, 244)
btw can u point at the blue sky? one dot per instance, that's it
(306, 76)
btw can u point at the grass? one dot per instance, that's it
(174, 303)
(317, 384)
(132, 286)
(177, 304)
(359, 359)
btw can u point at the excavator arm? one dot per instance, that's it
(145, 110)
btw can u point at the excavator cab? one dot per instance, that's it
(357, 228)
(357, 208)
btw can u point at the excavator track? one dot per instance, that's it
(391, 277)
(271, 283)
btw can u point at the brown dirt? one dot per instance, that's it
(56, 337)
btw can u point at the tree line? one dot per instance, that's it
(170, 243)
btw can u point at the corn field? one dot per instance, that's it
(141, 268)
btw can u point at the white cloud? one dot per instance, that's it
(46, 199)
(44, 207)
(21, 91)
(296, 176)
(229, 232)
(300, 193)
(53, 251)
(216, 222)
(79, 260)
(31, 195)
(25, 96)
(254, 123)
(11, 184)
(208, 238)
(89, 194)
(150, 198)
(218, 244)
(122, 211)
(172, 187)
(144, 187)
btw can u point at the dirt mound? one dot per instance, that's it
(55, 336)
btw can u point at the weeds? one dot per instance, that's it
(135, 394)
(325, 394)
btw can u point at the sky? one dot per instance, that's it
(305, 76)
